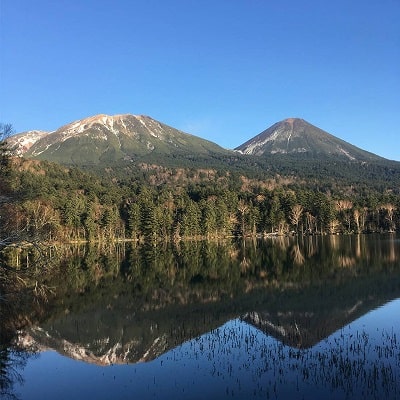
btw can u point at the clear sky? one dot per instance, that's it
(224, 70)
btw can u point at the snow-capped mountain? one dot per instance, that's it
(110, 138)
(103, 139)
(101, 351)
(296, 136)
(22, 142)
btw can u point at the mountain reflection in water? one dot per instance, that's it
(271, 318)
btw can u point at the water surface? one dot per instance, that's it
(305, 318)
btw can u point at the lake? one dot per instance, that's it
(278, 318)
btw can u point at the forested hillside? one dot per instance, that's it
(157, 203)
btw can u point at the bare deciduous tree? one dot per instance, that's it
(311, 223)
(333, 225)
(242, 208)
(389, 208)
(344, 207)
(357, 217)
(6, 130)
(296, 212)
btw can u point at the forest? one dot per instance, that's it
(65, 204)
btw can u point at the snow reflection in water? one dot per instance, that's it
(361, 360)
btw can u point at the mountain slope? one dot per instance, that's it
(22, 142)
(295, 136)
(104, 138)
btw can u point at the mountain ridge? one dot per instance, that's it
(103, 137)
(291, 147)
(23, 141)
(297, 136)
(289, 136)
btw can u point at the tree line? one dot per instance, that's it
(59, 204)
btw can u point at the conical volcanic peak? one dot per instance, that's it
(297, 136)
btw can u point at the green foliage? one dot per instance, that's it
(158, 204)
(6, 130)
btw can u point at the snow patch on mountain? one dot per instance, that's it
(80, 126)
(151, 126)
(22, 142)
(346, 153)
(258, 320)
(37, 152)
(278, 136)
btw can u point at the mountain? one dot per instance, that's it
(104, 138)
(295, 136)
(126, 146)
(22, 142)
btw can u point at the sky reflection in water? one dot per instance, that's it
(361, 360)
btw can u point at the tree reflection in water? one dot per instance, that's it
(12, 363)
(289, 302)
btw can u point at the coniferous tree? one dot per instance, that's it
(134, 220)
(209, 218)
(6, 130)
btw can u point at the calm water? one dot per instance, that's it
(285, 318)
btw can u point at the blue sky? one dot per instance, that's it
(224, 70)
